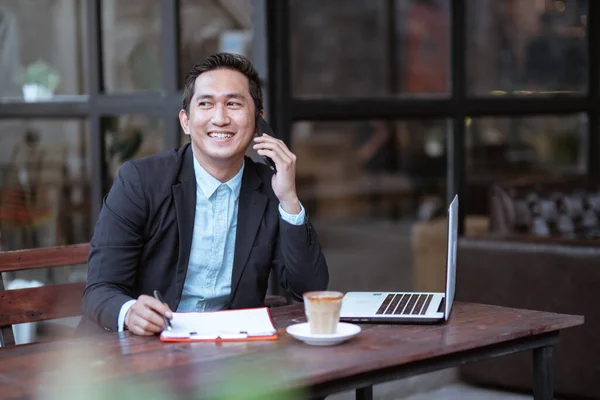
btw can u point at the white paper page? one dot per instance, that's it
(225, 324)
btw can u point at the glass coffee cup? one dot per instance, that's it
(322, 309)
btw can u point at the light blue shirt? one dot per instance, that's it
(207, 285)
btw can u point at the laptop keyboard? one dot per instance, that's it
(405, 304)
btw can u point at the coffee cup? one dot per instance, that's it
(322, 310)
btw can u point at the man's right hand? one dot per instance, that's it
(145, 317)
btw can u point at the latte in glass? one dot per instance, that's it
(322, 310)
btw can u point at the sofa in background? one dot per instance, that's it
(541, 253)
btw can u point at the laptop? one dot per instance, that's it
(408, 307)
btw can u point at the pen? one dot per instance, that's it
(158, 297)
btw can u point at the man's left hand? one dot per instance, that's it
(284, 181)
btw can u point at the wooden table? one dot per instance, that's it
(378, 354)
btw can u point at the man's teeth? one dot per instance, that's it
(219, 135)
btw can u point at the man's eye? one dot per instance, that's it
(234, 104)
(203, 104)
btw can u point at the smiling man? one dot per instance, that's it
(203, 224)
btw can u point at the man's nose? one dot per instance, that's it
(220, 116)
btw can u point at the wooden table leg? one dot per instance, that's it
(543, 379)
(364, 393)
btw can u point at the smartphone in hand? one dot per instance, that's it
(263, 127)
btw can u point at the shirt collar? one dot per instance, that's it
(208, 184)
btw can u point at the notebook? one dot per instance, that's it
(227, 325)
(408, 307)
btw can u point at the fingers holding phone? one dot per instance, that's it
(284, 181)
(276, 150)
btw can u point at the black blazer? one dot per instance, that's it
(143, 238)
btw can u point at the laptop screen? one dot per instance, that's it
(451, 255)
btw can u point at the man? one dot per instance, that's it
(202, 224)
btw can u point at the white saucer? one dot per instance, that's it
(344, 332)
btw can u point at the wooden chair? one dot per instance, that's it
(41, 303)
(50, 302)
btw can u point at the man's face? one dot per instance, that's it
(221, 118)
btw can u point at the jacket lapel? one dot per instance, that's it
(184, 195)
(251, 208)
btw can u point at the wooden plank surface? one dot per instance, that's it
(18, 260)
(40, 303)
(185, 368)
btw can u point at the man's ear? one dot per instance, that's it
(184, 121)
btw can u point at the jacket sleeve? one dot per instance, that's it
(299, 260)
(115, 249)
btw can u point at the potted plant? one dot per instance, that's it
(39, 81)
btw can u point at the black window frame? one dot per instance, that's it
(456, 107)
(96, 105)
(285, 109)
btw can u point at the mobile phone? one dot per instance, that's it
(263, 127)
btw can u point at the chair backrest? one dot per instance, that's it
(40, 303)
(50, 302)
(562, 206)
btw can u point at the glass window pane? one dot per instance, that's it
(526, 46)
(213, 26)
(369, 186)
(42, 49)
(342, 48)
(131, 50)
(128, 137)
(44, 183)
(500, 149)
(422, 47)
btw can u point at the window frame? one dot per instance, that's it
(272, 57)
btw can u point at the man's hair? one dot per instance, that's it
(223, 61)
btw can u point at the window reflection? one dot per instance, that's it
(369, 48)
(208, 27)
(423, 46)
(338, 48)
(526, 46)
(44, 183)
(550, 145)
(41, 51)
(131, 45)
(371, 170)
(375, 191)
(500, 149)
(128, 137)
